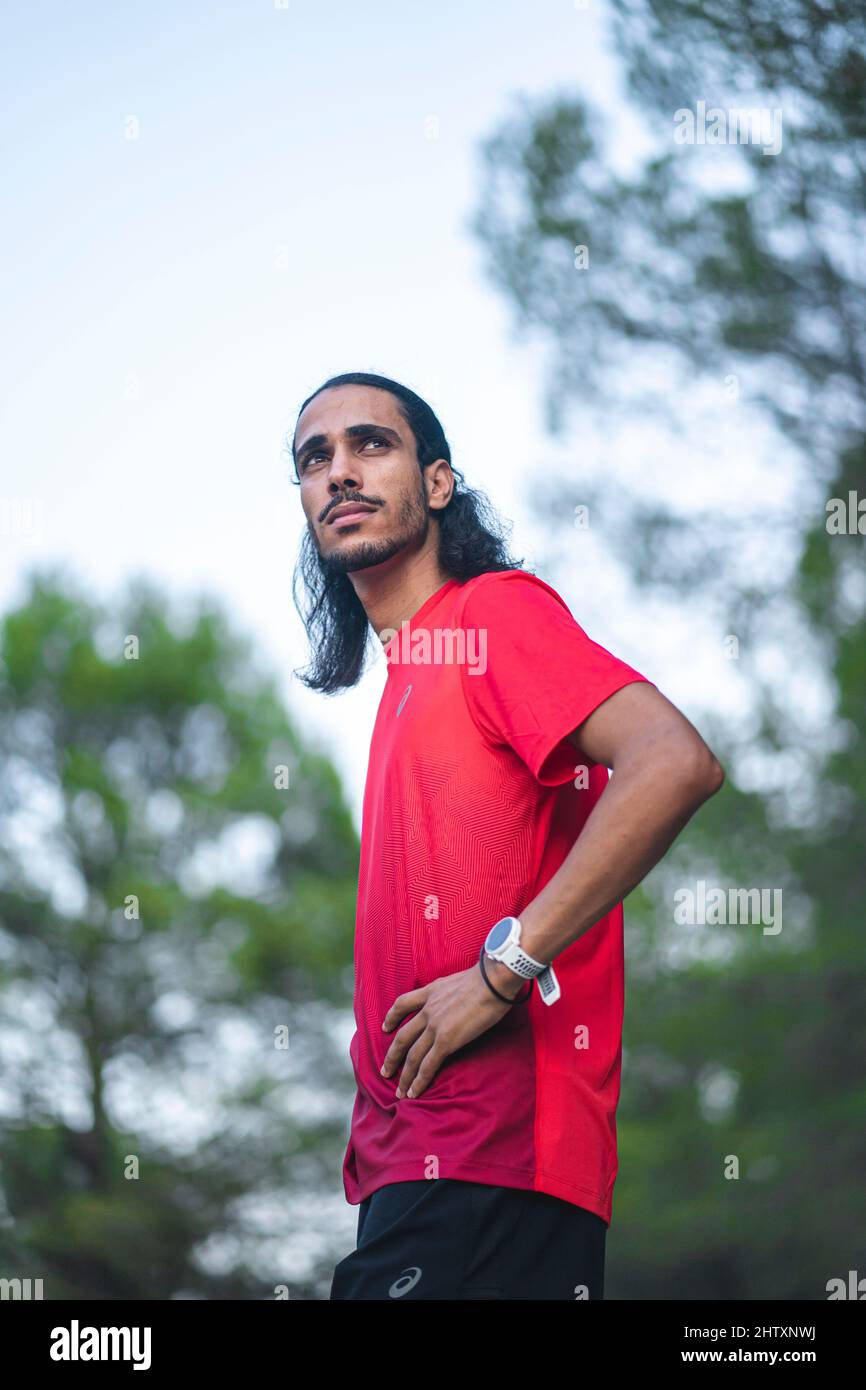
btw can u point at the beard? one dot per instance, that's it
(412, 525)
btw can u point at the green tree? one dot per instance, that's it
(177, 889)
(709, 265)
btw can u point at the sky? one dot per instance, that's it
(210, 209)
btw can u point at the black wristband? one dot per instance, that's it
(495, 991)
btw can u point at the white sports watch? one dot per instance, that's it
(503, 944)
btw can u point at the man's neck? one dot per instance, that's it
(394, 597)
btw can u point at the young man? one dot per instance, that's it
(495, 854)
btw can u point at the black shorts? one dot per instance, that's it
(443, 1238)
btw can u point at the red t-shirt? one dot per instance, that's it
(470, 806)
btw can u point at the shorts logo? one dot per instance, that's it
(408, 1279)
(406, 693)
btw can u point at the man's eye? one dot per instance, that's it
(305, 463)
(371, 439)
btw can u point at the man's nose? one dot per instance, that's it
(344, 471)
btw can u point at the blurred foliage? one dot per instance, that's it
(168, 899)
(736, 1042)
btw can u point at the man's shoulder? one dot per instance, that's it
(506, 591)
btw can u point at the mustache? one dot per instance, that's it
(341, 501)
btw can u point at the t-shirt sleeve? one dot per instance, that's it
(538, 674)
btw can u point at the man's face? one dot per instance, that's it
(353, 445)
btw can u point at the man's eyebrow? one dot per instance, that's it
(316, 441)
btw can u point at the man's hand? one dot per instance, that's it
(451, 1012)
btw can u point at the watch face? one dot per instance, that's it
(499, 933)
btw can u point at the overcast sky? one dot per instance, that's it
(293, 202)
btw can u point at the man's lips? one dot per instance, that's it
(347, 509)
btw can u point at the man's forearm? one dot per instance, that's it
(644, 807)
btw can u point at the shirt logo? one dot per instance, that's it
(408, 1279)
(406, 693)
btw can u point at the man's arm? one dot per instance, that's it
(662, 771)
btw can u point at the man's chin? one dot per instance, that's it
(363, 555)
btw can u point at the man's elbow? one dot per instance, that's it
(685, 763)
(703, 772)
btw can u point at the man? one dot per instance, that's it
(495, 854)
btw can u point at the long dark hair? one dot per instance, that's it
(470, 542)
